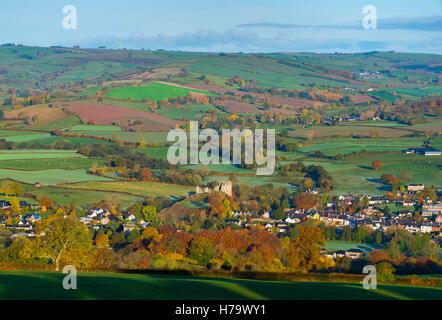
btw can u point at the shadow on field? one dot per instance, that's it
(48, 285)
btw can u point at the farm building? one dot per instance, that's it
(423, 151)
(415, 187)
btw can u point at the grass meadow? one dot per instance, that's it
(144, 189)
(152, 91)
(115, 286)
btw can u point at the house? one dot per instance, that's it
(102, 220)
(353, 253)
(4, 204)
(85, 220)
(238, 214)
(409, 225)
(331, 255)
(129, 226)
(292, 219)
(408, 203)
(130, 217)
(282, 227)
(376, 201)
(95, 212)
(415, 187)
(426, 227)
(340, 254)
(266, 215)
(33, 218)
(429, 210)
(233, 221)
(268, 226)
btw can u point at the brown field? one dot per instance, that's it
(103, 114)
(44, 113)
(240, 107)
(294, 102)
(286, 112)
(345, 131)
(361, 98)
(158, 73)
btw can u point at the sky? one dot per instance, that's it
(227, 25)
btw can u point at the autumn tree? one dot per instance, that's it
(15, 205)
(305, 201)
(308, 183)
(102, 241)
(385, 272)
(46, 202)
(61, 238)
(304, 251)
(11, 188)
(201, 250)
(146, 174)
(149, 213)
(388, 178)
(219, 205)
(376, 164)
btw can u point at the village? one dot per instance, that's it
(375, 216)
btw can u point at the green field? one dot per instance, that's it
(178, 113)
(201, 108)
(154, 152)
(153, 91)
(60, 124)
(331, 147)
(42, 164)
(356, 171)
(27, 137)
(47, 285)
(81, 198)
(37, 154)
(148, 137)
(347, 245)
(49, 176)
(146, 189)
(94, 128)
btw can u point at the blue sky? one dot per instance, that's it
(228, 25)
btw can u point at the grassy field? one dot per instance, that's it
(42, 164)
(27, 137)
(331, 147)
(153, 91)
(146, 189)
(95, 128)
(356, 170)
(81, 198)
(49, 176)
(347, 245)
(46, 285)
(60, 124)
(178, 113)
(37, 154)
(148, 137)
(154, 152)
